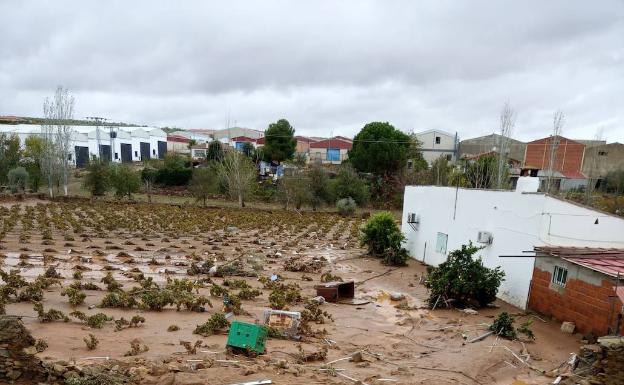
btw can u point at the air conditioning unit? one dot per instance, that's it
(484, 237)
(413, 220)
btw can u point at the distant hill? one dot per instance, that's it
(69, 122)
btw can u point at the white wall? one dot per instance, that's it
(517, 221)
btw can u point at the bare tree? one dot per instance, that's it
(558, 122)
(58, 136)
(592, 155)
(238, 174)
(507, 123)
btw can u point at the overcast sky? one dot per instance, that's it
(326, 66)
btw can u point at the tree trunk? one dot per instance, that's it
(240, 200)
(65, 189)
(204, 201)
(51, 192)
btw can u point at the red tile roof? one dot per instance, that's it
(177, 138)
(332, 143)
(573, 175)
(606, 261)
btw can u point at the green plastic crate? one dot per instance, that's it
(244, 335)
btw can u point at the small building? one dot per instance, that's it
(580, 285)
(491, 143)
(178, 144)
(330, 151)
(602, 159)
(437, 143)
(239, 141)
(557, 158)
(437, 220)
(199, 151)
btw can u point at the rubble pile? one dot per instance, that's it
(601, 364)
(17, 352)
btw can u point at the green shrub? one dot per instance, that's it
(346, 206)
(18, 179)
(124, 181)
(349, 184)
(464, 279)
(216, 322)
(384, 239)
(503, 326)
(97, 180)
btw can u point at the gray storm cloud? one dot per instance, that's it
(327, 66)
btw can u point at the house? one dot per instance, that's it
(437, 143)
(437, 220)
(491, 143)
(581, 285)
(331, 151)
(601, 159)
(178, 144)
(304, 143)
(233, 132)
(117, 144)
(239, 141)
(556, 158)
(199, 151)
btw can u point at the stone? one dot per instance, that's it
(470, 311)
(356, 357)
(568, 327)
(58, 369)
(396, 296)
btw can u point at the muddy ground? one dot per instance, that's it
(411, 345)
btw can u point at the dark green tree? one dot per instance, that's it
(280, 142)
(33, 156)
(379, 148)
(215, 151)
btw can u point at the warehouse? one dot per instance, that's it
(117, 144)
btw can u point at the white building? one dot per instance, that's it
(118, 144)
(437, 220)
(437, 143)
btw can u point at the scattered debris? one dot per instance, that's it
(568, 327)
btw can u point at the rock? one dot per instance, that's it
(59, 369)
(30, 350)
(231, 229)
(318, 299)
(396, 296)
(568, 327)
(356, 357)
(470, 311)
(248, 370)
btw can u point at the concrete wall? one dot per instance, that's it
(518, 221)
(587, 299)
(484, 144)
(600, 160)
(431, 150)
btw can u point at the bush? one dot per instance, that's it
(18, 179)
(463, 279)
(97, 181)
(384, 239)
(348, 184)
(346, 206)
(174, 171)
(503, 326)
(124, 181)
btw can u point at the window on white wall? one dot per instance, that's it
(560, 276)
(441, 242)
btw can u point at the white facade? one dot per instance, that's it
(516, 220)
(87, 137)
(436, 143)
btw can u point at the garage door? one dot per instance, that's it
(145, 151)
(126, 153)
(82, 156)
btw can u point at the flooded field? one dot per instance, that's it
(138, 248)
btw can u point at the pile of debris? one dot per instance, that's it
(310, 265)
(17, 352)
(598, 364)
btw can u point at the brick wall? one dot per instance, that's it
(568, 155)
(587, 305)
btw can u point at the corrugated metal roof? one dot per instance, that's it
(608, 261)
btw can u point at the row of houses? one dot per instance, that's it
(566, 162)
(117, 144)
(561, 259)
(195, 142)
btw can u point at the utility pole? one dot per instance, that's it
(99, 121)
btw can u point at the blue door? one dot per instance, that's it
(333, 154)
